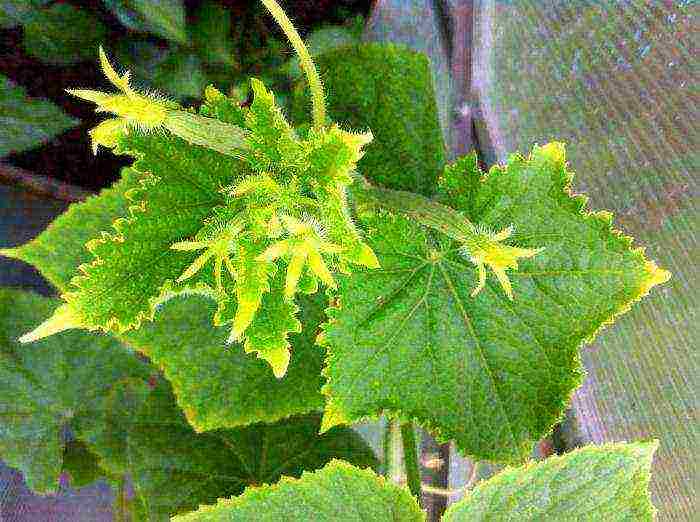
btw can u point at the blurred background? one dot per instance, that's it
(615, 80)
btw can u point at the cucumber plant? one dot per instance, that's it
(462, 310)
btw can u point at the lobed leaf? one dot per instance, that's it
(144, 434)
(43, 389)
(339, 491)
(608, 482)
(226, 387)
(494, 375)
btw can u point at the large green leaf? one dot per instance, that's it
(226, 387)
(607, 482)
(43, 388)
(389, 90)
(490, 373)
(219, 386)
(143, 433)
(63, 34)
(27, 122)
(337, 492)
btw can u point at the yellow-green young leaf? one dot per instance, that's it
(339, 491)
(142, 432)
(494, 375)
(607, 482)
(268, 334)
(44, 388)
(226, 387)
(272, 141)
(132, 265)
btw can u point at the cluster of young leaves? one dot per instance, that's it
(594, 483)
(222, 226)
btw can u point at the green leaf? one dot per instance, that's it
(608, 482)
(219, 386)
(337, 492)
(389, 90)
(63, 34)
(13, 12)
(129, 276)
(44, 387)
(211, 34)
(492, 374)
(143, 433)
(81, 464)
(27, 122)
(164, 18)
(217, 391)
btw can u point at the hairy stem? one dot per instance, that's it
(307, 64)
(410, 459)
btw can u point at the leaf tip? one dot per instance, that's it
(12, 253)
(332, 416)
(278, 359)
(655, 276)
(63, 318)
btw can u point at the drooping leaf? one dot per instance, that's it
(339, 491)
(62, 34)
(387, 89)
(608, 482)
(490, 373)
(43, 388)
(143, 433)
(26, 122)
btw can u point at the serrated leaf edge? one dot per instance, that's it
(333, 465)
(649, 449)
(335, 415)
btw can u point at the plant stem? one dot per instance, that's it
(307, 64)
(410, 459)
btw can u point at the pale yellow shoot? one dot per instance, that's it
(107, 133)
(132, 108)
(485, 249)
(219, 248)
(304, 247)
(332, 416)
(63, 318)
